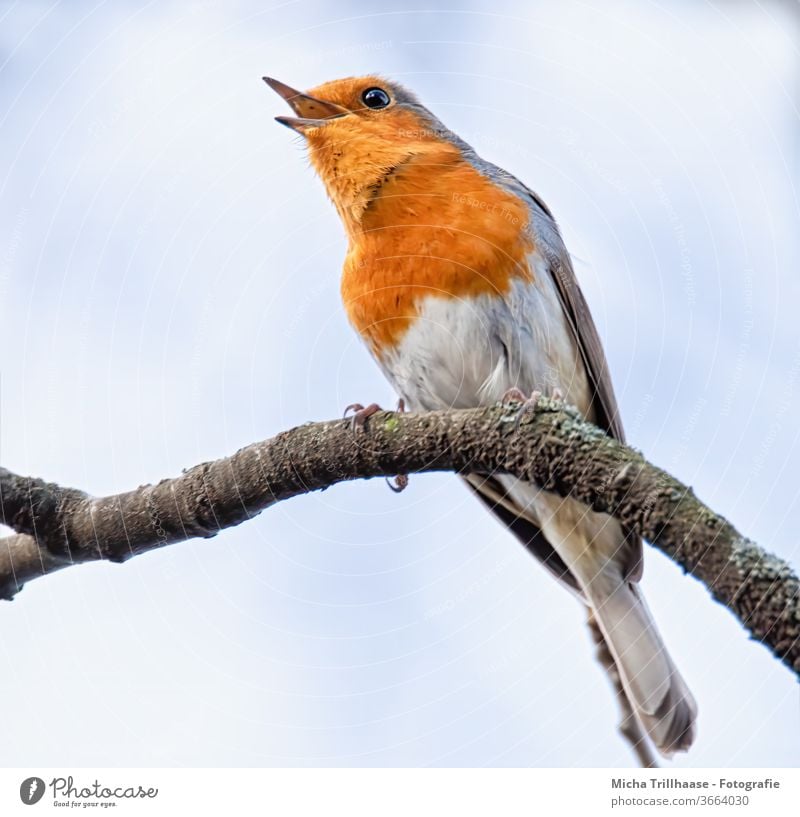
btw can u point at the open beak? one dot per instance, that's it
(311, 112)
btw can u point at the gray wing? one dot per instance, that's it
(578, 315)
(603, 401)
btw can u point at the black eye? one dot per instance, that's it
(375, 98)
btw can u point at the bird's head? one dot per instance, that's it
(361, 131)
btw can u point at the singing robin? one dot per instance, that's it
(458, 281)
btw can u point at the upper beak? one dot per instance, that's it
(311, 112)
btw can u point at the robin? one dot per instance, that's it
(458, 281)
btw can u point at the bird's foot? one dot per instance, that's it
(527, 403)
(400, 482)
(358, 423)
(360, 415)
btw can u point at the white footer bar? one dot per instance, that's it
(401, 792)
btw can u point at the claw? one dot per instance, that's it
(351, 407)
(514, 395)
(361, 415)
(400, 483)
(401, 480)
(358, 422)
(527, 403)
(528, 407)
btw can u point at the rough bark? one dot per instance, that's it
(553, 447)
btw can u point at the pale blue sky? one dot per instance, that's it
(169, 292)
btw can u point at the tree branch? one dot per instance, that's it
(553, 447)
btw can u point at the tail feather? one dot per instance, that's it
(658, 693)
(604, 564)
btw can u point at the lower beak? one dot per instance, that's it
(300, 124)
(311, 112)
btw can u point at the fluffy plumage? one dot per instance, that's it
(458, 281)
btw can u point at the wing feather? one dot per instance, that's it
(579, 317)
(576, 310)
(603, 403)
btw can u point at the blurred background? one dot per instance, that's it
(169, 292)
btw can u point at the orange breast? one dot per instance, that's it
(437, 228)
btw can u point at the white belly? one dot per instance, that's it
(469, 352)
